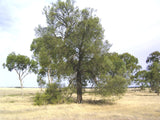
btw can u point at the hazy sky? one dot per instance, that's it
(130, 26)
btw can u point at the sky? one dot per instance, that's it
(131, 26)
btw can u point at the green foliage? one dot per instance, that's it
(47, 52)
(118, 66)
(153, 57)
(40, 99)
(141, 79)
(154, 71)
(155, 76)
(20, 63)
(41, 81)
(112, 86)
(53, 94)
(131, 64)
(151, 77)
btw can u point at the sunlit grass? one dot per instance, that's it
(139, 105)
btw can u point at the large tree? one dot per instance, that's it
(21, 64)
(73, 44)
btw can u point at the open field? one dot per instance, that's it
(132, 106)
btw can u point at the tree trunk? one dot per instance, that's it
(158, 92)
(79, 88)
(21, 82)
(157, 89)
(79, 80)
(49, 78)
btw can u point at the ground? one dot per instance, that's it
(134, 105)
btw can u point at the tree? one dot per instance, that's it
(131, 64)
(21, 64)
(73, 41)
(141, 78)
(154, 70)
(154, 77)
(84, 50)
(45, 49)
(153, 57)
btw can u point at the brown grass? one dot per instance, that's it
(134, 105)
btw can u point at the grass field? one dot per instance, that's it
(139, 105)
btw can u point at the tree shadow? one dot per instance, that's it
(146, 95)
(100, 102)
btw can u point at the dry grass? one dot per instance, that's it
(133, 106)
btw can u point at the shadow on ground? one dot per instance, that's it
(100, 102)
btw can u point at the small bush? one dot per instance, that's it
(40, 99)
(53, 94)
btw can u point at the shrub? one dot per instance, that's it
(53, 94)
(40, 99)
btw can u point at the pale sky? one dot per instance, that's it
(131, 26)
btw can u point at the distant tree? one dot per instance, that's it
(154, 77)
(141, 79)
(21, 64)
(153, 57)
(131, 64)
(154, 70)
